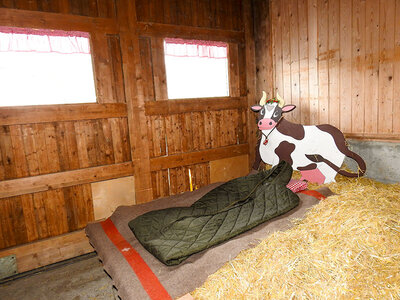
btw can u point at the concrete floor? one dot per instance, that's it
(78, 279)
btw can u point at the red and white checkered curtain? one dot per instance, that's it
(194, 48)
(44, 41)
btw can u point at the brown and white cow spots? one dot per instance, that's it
(284, 151)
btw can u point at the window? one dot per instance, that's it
(45, 67)
(196, 69)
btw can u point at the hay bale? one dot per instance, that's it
(347, 246)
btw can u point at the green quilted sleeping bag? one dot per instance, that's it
(173, 234)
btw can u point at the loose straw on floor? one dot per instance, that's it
(347, 247)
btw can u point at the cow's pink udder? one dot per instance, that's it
(266, 124)
(314, 175)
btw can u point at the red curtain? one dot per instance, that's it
(43, 41)
(194, 48)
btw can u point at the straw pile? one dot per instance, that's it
(347, 246)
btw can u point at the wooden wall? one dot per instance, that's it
(50, 155)
(338, 61)
(187, 134)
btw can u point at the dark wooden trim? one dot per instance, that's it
(168, 107)
(41, 183)
(388, 137)
(48, 251)
(191, 158)
(46, 20)
(62, 112)
(189, 32)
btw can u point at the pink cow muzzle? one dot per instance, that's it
(266, 124)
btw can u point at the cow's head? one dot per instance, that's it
(270, 112)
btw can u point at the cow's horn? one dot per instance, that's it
(263, 99)
(281, 101)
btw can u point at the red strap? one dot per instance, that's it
(148, 279)
(314, 194)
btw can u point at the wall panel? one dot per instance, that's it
(44, 148)
(37, 216)
(50, 155)
(90, 8)
(344, 57)
(221, 14)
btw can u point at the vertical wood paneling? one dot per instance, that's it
(29, 218)
(40, 215)
(158, 69)
(263, 57)
(21, 167)
(372, 66)
(28, 5)
(303, 57)
(103, 69)
(106, 8)
(358, 65)
(7, 153)
(347, 65)
(187, 133)
(107, 144)
(386, 68)
(114, 48)
(199, 139)
(72, 146)
(82, 147)
(323, 65)
(294, 59)
(277, 46)
(234, 88)
(170, 16)
(45, 165)
(30, 150)
(146, 69)
(313, 60)
(51, 148)
(91, 8)
(286, 59)
(334, 79)
(7, 3)
(396, 73)
(203, 12)
(9, 238)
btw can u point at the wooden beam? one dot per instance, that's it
(168, 107)
(390, 137)
(44, 252)
(14, 115)
(46, 20)
(192, 158)
(40, 183)
(134, 83)
(189, 32)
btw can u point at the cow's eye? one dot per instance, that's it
(276, 114)
(262, 112)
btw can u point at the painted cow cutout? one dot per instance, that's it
(317, 151)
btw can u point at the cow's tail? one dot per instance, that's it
(361, 163)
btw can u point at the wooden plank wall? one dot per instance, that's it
(186, 134)
(50, 155)
(337, 60)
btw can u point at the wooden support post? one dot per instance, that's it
(127, 21)
(250, 76)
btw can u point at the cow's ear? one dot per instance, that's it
(288, 108)
(256, 108)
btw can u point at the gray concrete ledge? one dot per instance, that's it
(382, 159)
